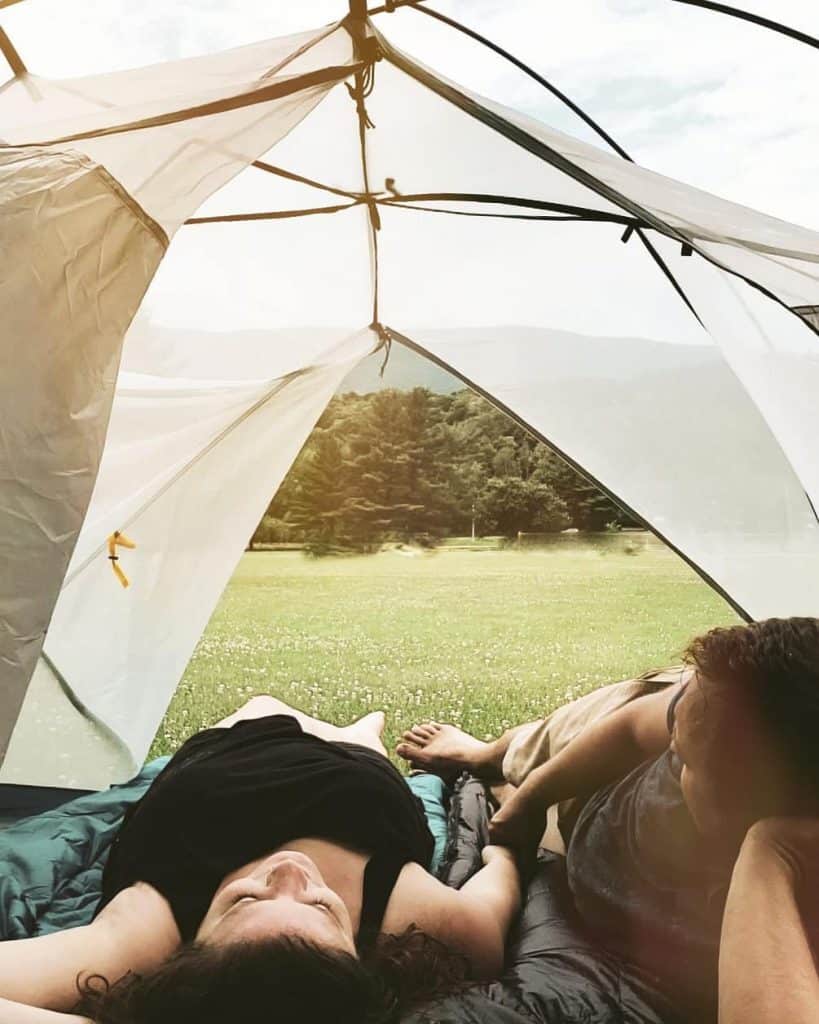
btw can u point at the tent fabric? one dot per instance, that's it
(237, 107)
(77, 256)
(781, 256)
(178, 453)
(506, 251)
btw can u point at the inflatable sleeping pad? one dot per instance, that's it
(553, 974)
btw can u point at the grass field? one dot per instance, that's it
(481, 638)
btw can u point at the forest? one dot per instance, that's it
(415, 467)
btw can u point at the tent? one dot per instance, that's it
(660, 338)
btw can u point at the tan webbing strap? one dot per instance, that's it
(9, 3)
(14, 59)
(275, 90)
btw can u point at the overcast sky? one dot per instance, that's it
(723, 105)
(697, 95)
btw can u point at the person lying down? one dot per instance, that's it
(664, 776)
(277, 864)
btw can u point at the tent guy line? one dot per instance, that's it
(365, 48)
(407, 202)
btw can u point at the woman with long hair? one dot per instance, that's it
(276, 870)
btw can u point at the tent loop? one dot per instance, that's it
(368, 53)
(118, 539)
(627, 233)
(384, 341)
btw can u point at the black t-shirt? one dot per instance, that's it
(230, 796)
(645, 883)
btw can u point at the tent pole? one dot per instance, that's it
(15, 61)
(366, 52)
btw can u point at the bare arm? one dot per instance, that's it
(601, 753)
(17, 1013)
(473, 920)
(136, 931)
(767, 973)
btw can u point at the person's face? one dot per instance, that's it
(283, 895)
(732, 773)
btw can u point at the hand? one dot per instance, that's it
(492, 853)
(519, 824)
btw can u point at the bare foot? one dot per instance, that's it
(447, 751)
(367, 731)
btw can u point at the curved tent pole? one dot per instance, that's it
(543, 151)
(754, 19)
(586, 118)
(501, 407)
(410, 69)
(708, 5)
(553, 89)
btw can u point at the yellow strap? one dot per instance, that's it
(118, 539)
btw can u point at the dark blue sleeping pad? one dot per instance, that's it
(554, 974)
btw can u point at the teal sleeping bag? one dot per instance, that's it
(51, 864)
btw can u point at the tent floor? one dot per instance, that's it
(54, 745)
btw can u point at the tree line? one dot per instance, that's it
(415, 466)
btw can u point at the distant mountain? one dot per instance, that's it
(404, 370)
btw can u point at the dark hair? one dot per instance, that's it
(279, 981)
(777, 660)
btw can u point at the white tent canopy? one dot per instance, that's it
(662, 339)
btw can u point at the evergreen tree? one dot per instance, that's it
(412, 465)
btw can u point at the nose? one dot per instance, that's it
(287, 876)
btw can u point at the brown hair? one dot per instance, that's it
(777, 660)
(286, 981)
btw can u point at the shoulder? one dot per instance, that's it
(650, 717)
(421, 901)
(140, 922)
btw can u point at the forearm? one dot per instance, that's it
(496, 887)
(135, 932)
(603, 752)
(42, 972)
(766, 968)
(18, 1013)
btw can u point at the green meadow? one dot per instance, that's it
(479, 637)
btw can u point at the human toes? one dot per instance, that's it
(409, 751)
(419, 735)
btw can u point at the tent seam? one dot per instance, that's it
(706, 577)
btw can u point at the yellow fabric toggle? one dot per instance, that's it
(118, 539)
